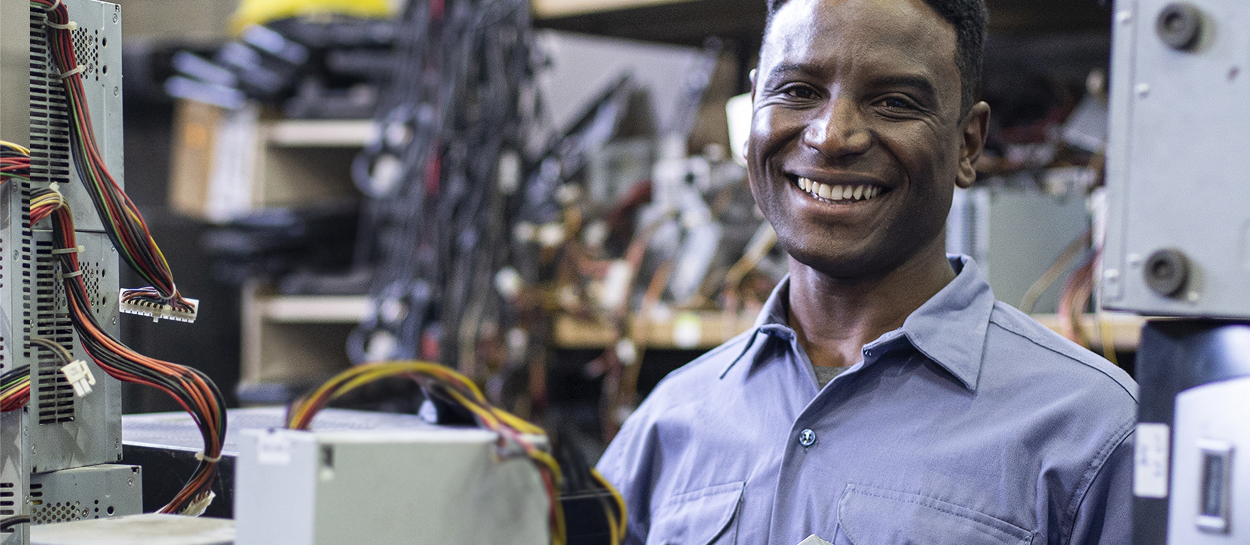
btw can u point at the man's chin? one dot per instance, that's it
(844, 263)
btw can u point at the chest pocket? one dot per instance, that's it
(700, 517)
(875, 516)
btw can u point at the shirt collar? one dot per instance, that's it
(949, 328)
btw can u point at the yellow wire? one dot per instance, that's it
(616, 496)
(16, 147)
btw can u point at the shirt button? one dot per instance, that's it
(807, 437)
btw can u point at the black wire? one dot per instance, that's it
(11, 521)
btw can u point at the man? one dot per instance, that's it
(884, 397)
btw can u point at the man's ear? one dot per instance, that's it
(973, 131)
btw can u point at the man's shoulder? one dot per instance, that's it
(1048, 352)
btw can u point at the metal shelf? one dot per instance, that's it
(682, 330)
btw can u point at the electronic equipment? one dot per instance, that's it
(59, 431)
(432, 485)
(1178, 244)
(65, 226)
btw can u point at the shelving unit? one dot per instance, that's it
(677, 330)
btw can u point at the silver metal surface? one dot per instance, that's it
(1211, 421)
(86, 493)
(137, 530)
(426, 486)
(1015, 235)
(14, 127)
(56, 430)
(66, 431)
(1177, 170)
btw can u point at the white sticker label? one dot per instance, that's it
(274, 449)
(1150, 466)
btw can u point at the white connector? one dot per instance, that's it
(157, 311)
(79, 376)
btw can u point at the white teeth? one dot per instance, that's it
(838, 192)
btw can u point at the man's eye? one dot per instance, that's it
(897, 103)
(802, 92)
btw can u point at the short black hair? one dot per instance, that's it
(971, 20)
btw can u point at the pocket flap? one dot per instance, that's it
(696, 518)
(876, 516)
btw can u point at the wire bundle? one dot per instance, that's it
(194, 391)
(15, 389)
(449, 386)
(14, 161)
(121, 219)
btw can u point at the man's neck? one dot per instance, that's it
(835, 317)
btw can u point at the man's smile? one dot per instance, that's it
(838, 191)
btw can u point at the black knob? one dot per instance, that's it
(1179, 25)
(1167, 272)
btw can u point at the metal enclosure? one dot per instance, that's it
(14, 127)
(1211, 465)
(1177, 167)
(57, 430)
(424, 486)
(86, 493)
(67, 431)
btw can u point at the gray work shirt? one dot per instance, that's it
(972, 424)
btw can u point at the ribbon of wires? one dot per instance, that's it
(121, 218)
(193, 390)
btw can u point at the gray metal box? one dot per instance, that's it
(66, 431)
(1177, 167)
(1210, 500)
(86, 493)
(411, 487)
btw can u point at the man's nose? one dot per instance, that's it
(838, 130)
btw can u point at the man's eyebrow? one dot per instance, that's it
(920, 84)
(787, 68)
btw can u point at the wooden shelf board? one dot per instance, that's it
(684, 330)
(317, 309)
(352, 133)
(546, 9)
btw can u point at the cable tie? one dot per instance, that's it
(55, 5)
(205, 458)
(73, 72)
(60, 276)
(75, 250)
(70, 26)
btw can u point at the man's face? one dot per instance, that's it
(857, 139)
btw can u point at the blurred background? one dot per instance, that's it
(545, 195)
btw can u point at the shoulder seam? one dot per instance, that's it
(1059, 353)
(1091, 474)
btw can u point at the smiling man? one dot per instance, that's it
(883, 397)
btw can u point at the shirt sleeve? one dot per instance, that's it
(1104, 516)
(627, 464)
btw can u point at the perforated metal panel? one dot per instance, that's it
(66, 431)
(103, 491)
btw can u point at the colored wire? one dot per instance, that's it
(121, 218)
(449, 386)
(14, 161)
(189, 387)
